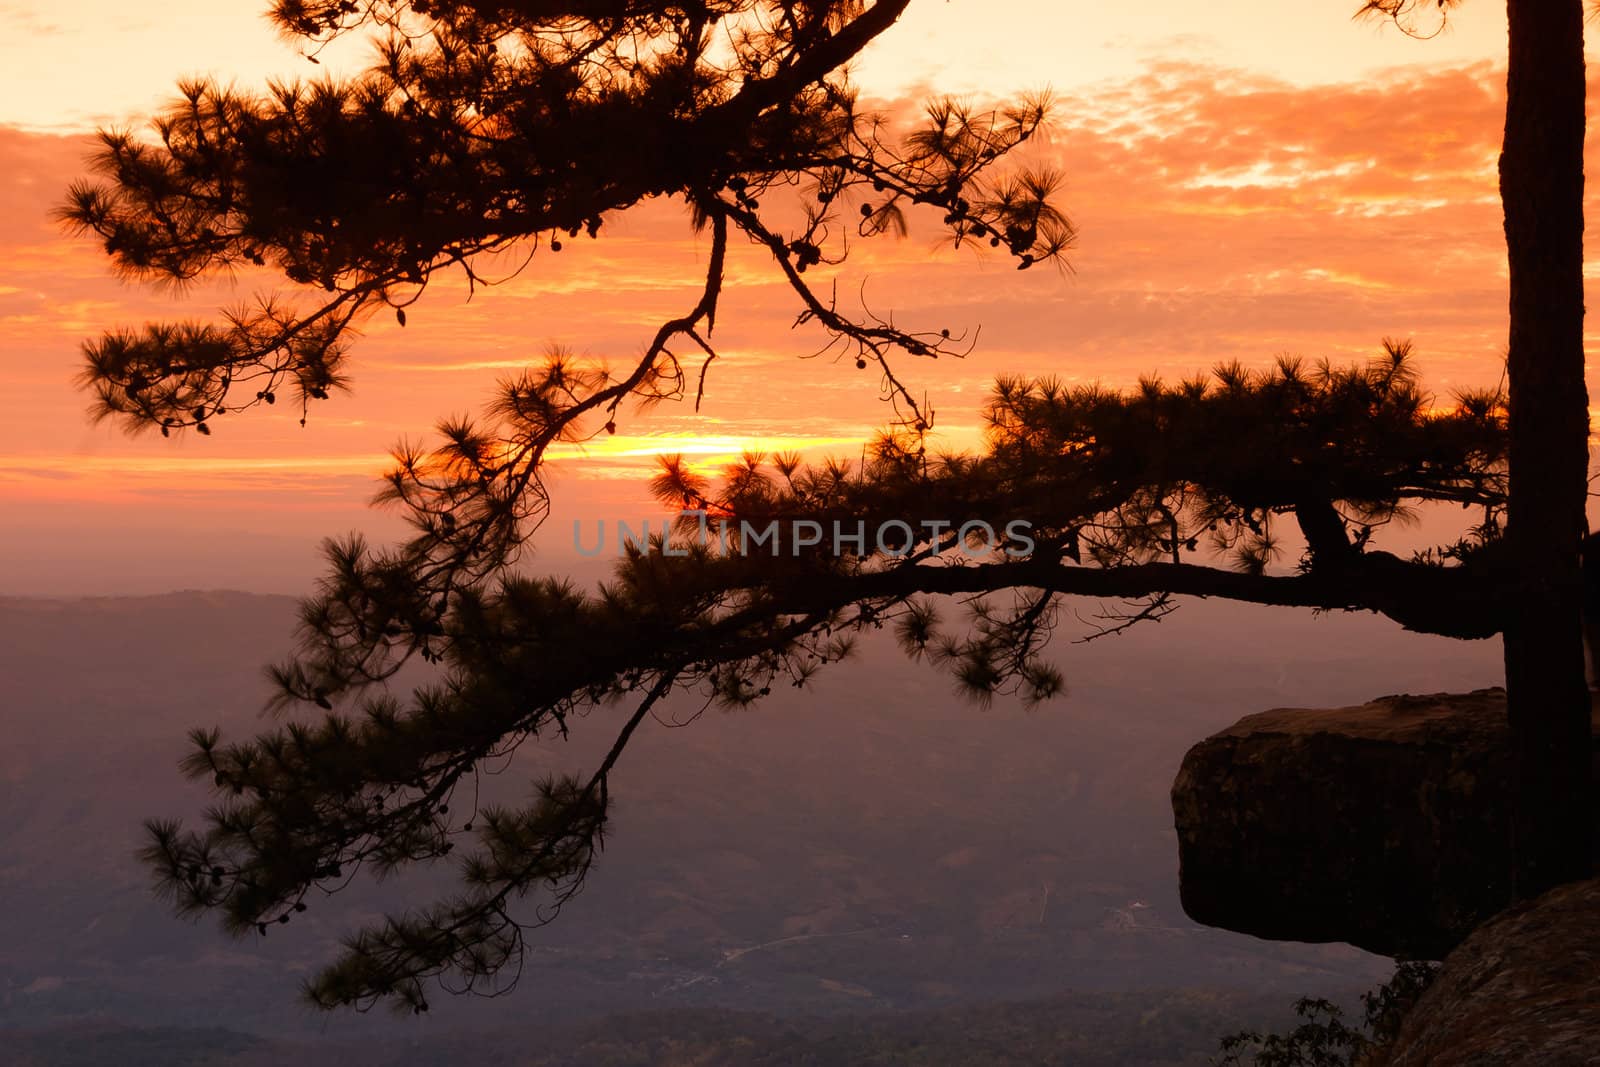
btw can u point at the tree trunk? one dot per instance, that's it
(1541, 188)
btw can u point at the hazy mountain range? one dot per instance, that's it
(866, 848)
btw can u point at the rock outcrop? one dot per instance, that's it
(1384, 825)
(1522, 989)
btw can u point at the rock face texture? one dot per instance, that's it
(1383, 825)
(1522, 989)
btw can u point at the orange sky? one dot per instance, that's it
(1245, 186)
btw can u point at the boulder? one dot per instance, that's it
(1384, 825)
(1521, 989)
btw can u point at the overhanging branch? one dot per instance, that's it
(1436, 600)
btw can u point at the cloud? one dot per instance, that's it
(1223, 215)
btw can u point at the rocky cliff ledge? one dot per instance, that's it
(1383, 825)
(1521, 989)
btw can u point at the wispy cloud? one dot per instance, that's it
(1224, 215)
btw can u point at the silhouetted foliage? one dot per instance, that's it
(491, 127)
(497, 126)
(1323, 1038)
(1423, 19)
(494, 128)
(1131, 497)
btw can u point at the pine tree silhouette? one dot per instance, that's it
(523, 125)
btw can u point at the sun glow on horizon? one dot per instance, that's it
(1243, 188)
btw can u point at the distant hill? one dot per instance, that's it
(1173, 1029)
(871, 846)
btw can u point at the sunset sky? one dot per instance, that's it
(1248, 180)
